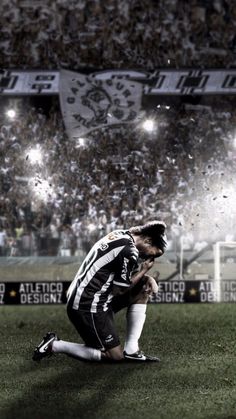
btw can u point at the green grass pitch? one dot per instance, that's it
(195, 379)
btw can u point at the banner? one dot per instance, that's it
(34, 293)
(195, 292)
(88, 103)
(159, 82)
(13, 82)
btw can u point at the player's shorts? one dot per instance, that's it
(98, 329)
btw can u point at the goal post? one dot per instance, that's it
(219, 247)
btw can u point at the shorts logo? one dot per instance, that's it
(104, 246)
(109, 338)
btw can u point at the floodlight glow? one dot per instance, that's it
(148, 125)
(35, 156)
(91, 227)
(11, 113)
(81, 141)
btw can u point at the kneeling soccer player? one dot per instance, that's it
(108, 280)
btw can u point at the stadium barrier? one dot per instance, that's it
(30, 293)
(204, 277)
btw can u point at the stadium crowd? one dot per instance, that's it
(59, 203)
(118, 177)
(147, 34)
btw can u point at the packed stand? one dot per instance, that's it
(59, 205)
(147, 34)
(183, 173)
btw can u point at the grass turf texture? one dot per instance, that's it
(195, 379)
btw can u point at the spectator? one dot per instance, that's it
(54, 236)
(3, 237)
(66, 246)
(26, 241)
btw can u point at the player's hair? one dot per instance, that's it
(155, 230)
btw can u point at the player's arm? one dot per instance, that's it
(145, 266)
(124, 280)
(151, 285)
(126, 264)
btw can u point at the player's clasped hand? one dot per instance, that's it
(151, 287)
(147, 264)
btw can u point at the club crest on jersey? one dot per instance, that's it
(103, 246)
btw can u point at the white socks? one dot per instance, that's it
(76, 350)
(136, 316)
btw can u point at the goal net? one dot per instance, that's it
(224, 266)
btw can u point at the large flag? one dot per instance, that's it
(88, 102)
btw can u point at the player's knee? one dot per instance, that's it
(115, 354)
(117, 357)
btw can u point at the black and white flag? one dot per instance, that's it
(89, 102)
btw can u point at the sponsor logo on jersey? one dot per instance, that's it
(124, 270)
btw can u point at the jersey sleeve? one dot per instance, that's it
(126, 266)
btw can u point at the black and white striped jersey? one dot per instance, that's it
(111, 261)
